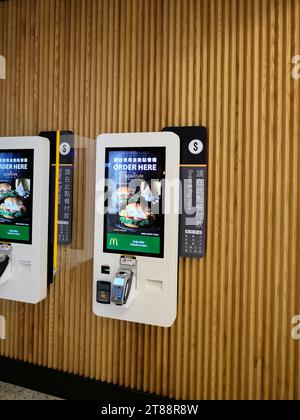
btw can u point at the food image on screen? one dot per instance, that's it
(134, 223)
(6, 190)
(135, 216)
(16, 182)
(123, 195)
(12, 208)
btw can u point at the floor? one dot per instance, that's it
(11, 392)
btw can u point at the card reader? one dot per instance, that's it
(103, 292)
(121, 287)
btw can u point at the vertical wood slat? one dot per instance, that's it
(112, 65)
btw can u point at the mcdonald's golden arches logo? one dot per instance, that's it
(114, 242)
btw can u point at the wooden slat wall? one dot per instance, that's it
(138, 65)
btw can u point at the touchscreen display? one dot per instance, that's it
(16, 189)
(134, 219)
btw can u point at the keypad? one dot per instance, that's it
(117, 293)
(192, 241)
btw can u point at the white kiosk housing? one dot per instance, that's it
(136, 227)
(24, 207)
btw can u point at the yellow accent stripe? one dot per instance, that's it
(55, 250)
(63, 164)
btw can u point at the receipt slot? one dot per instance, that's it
(24, 196)
(136, 227)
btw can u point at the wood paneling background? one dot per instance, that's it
(137, 65)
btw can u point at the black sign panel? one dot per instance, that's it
(65, 208)
(65, 174)
(194, 177)
(65, 199)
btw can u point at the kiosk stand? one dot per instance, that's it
(136, 227)
(24, 198)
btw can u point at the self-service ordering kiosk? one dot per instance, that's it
(136, 227)
(136, 224)
(24, 197)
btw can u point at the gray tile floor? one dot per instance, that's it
(11, 392)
